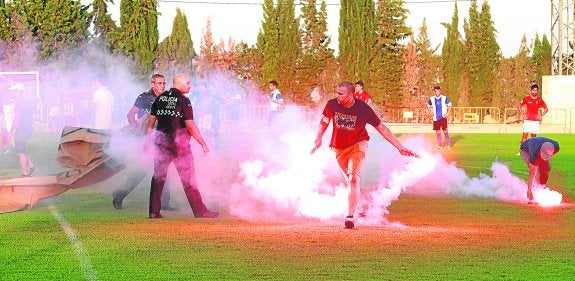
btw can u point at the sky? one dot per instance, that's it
(241, 19)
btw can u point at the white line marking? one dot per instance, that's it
(89, 271)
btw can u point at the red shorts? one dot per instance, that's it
(440, 124)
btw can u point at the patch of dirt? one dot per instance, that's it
(414, 223)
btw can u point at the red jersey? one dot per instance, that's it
(533, 105)
(349, 123)
(363, 96)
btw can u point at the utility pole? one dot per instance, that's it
(562, 37)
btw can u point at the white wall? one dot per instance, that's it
(558, 92)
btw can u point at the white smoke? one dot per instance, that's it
(283, 182)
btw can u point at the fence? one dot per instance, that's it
(258, 114)
(458, 115)
(556, 117)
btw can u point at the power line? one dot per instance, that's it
(259, 3)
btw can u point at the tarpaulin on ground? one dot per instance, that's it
(83, 151)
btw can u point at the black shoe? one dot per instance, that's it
(208, 214)
(156, 216)
(349, 222)
(169, 208)
(117, 202)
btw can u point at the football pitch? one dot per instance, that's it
(78, 235)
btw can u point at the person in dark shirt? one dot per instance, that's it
(536, 152)
(174, 115)
(349, 139)
(24, 109)
(138, 119)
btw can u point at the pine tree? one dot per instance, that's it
(386, 58)
(176, 53)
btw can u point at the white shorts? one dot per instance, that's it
(530, 126)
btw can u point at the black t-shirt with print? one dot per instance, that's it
(172, 109)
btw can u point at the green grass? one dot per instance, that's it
(476, 152)
(445, 239)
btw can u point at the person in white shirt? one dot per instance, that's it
(103, 101)
(439, 106)
(276, 101)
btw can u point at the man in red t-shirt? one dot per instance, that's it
(360, 93)
(349, 138)
(529, 109)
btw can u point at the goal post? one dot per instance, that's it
(17, 78)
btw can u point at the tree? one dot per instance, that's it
(56, 25)
(453, 65)
(542, 57)
(386, 58)
(512, 77)
(137, 36)
(356, 38)
(249, 62)
(208, 52)
(103, 23)
(18, 44)
(316, 53)
(176, 52)
(410, 75)
(279, 43)
(429, 65)
(482, 54)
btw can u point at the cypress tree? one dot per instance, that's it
(176, 52)
(357, 24)
(452, 55)
(482, 53)
(137, 37)
(103, 23)
(386, 58)
(541, 57)
(315, 50)
(429, 65)
(268, 43)
(280, 43)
